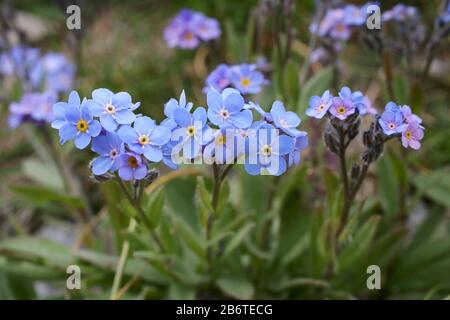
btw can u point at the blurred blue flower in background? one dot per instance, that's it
(189, 28)
(246, 78)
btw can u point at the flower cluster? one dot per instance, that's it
(338, 23)
(341, 106)
(224, 133)
(344, 110)
(42, 78)
(400, 12)
(244, 77)
(189, 28)
(399, 120)
(51, 71)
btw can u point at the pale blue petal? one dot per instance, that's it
(125, 116)
(102, 95)
(144, 125)
(182, 117)
(67, 132)
(160, 135)
(108, 122)
(153, 154)
(128, 134)
(94, 128)
(82, 140)
(101, 165)
(242, 119)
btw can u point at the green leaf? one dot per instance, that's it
(154, 206)
(42, 196)
(435, 184)
(45, 174)
(237, 239)
(236, 287)
(39, 248)
(389, 188)
(360, 245)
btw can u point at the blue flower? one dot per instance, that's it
(287, 121)
(59, 109)
(246, 78)
(168, 154)
(192, 132)
(55, 71)
(109, 147)
(227, 109)
(392, 120)
(301, 142)
(356, 97)
(114, 109)
(80, 124)
(218, 79)
(225, 146)
(131, 167)
(145, 137)
(354, 15)
(170, 107)
(266, 152)
(318, 106)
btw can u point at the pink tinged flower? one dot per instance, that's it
(391, 122)
(319, 105)
(412, 135)
(342, 108)
(409, 116)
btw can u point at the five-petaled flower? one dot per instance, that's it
(392, 121)
(80, 124)
(268, 158)
(341, 108)
(192, 132)
(146, 138)
(114, 109)
(319, 105)
(131, 167)
(246, 78)
(227, 108)
(412, 135)
(109, 147)
(287, 121)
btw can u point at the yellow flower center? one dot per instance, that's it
(266, 150)
(82, 125)
(132, 162)
(190, 131)
(245, 82)
(221, 139)
(144, 139)
(189, 36)
(110, 108)
(408, 135)
(341, 110)
(340, 27)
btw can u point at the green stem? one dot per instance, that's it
(122, 261)
(141, 212)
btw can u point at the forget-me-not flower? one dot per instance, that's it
(146, 138)
(109, 147)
